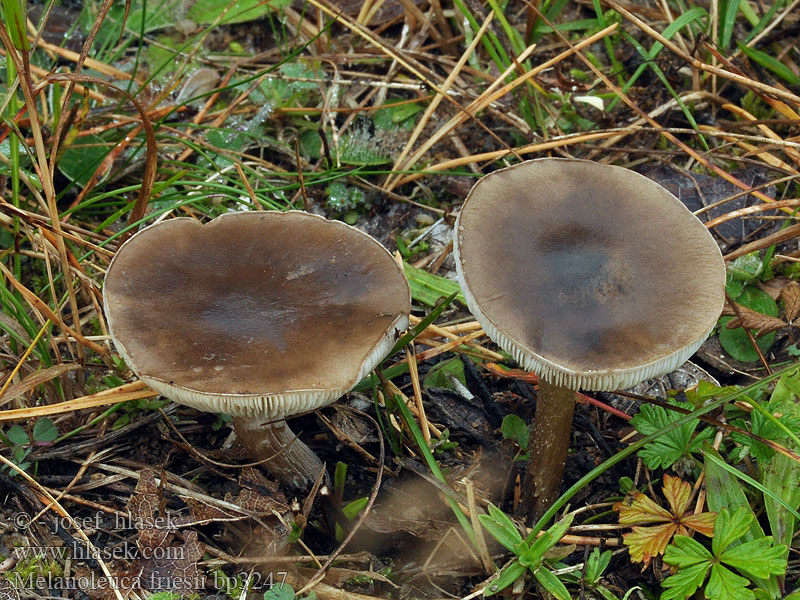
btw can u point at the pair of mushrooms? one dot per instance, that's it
(592, 276)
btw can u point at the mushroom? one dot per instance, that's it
(592, 276)
(261, 315)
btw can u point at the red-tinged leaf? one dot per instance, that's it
(677, 492)
(646, 542)
(641, 510)
(701, 523)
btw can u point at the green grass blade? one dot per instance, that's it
(762, 23)
(660, 74)
(490, 42)
(14, 19)
(729, 12)
(428, 288)
(771, 64)
(430, 460)
(718, 461)
(683, 20)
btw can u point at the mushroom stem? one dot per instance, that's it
(549, 443)
(286, 457)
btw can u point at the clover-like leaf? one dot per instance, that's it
(44, 430)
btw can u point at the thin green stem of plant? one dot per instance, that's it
(609, 45)
(105, 414)
(416, 433)
(681, 21)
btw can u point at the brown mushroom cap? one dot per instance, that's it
(260, 313)
(592, 276)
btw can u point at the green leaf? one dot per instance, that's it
(14, 18)
(358, 147)
(279, 592)
(724, 584)
(547, 540)
(735, 341)
(551, 583)
(44, 430)
(351, 509)
(438, 375)
(672, 446)
(17, 436)
(164, 596)
(730, 527)
(781, 475)
(343, 198)
(82, 157)
(339, 477)
(763, 424)
(705, 391)
(596, 564)
(758, 558)
(514, 428)
(513, 571)
(206, 12)
(428, 288)
(396, 116)
(501, 528)
(751, 482)
(724, 491)
(685, 582)
(770, 63)
(293, 85)
(745, 268)
(731, 8)
(733, 286)
(686, 552)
